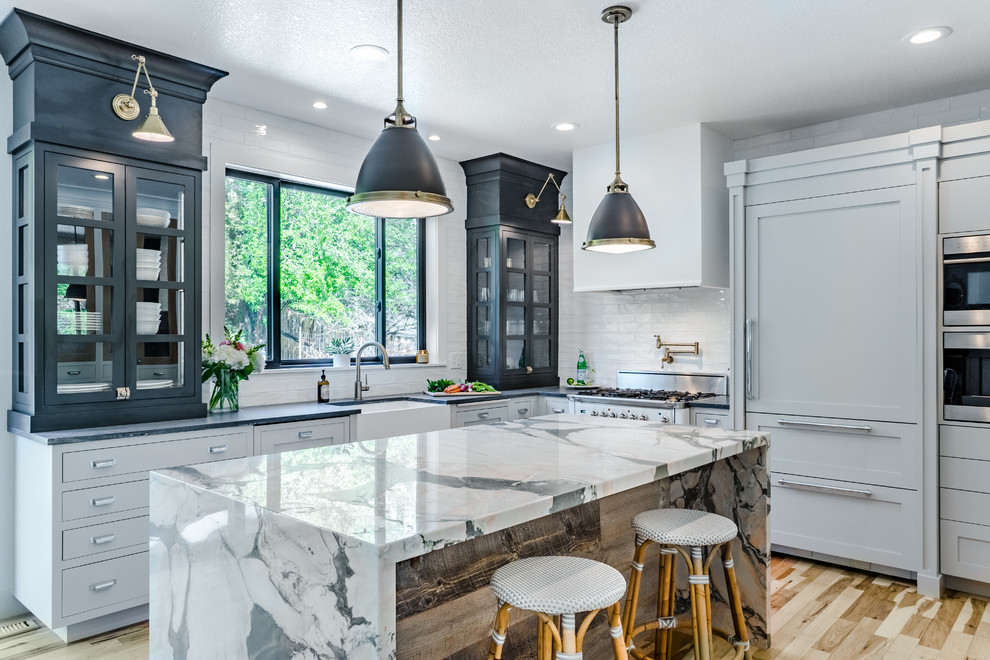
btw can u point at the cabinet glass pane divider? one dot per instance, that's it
(85, 222)
(160, 284)
(161, 231)
(89, 281)
(151, 339)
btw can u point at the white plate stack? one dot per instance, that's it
(153, 217)
(149, 264)
(154, 384)
(73, 259)
(82, 388)
(79, 323)
(75, 211)
(149, 316)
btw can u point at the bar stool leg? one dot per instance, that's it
(615, 629)
(665, 604)
(732, 586)
(698, 580)
(568, 643)
(499, 627)
(632, 591)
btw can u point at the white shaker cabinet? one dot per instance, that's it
(831, 306)
(676, 178)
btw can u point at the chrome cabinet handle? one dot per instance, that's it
(103, 586)
(100, 540)
(218, 449)
(483, 415)
(73, 373)
(830, 489)
(749, 359)
(557, 410)
(826, 427)
(522, 411)
(105, 463)
(158, 373)
(103, 501)
(305, 434)
(971, 260)
(711, 420)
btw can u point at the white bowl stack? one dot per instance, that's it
(73, 259)
(153, 217)
(79, 323)
(76, 211)
(149, 316)
(149, 264)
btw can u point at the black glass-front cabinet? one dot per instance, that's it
(106, 269)
(512, 318)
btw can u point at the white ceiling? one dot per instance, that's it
(493, 76)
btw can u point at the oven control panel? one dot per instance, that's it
(664, 416)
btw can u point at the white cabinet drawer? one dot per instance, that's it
(76, 373)
(965, 550)
(964, 474)
(964, 506)
(275, 438)
(486, 415)
(710, 419)
(128, 459)
(552, 405)
(105, 537)
(100, 501)
(856, 521)
(964, 442)
(104, 583)
(522, 407)
(886, 454)
(157, 371)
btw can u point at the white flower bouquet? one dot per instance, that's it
(228, 363)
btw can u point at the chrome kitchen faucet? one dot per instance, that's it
(360, 389)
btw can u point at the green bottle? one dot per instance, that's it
(582, 367)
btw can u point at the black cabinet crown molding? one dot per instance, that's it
(65, 79)
(497, 187)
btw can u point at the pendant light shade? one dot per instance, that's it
(399, 177)
(618, 224)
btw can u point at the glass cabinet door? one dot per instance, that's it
(542, 305)
(159, 207)
(83, 264)
(483, 299)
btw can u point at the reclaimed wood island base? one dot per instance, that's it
(384, 549)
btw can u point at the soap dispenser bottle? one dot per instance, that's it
(323, 389)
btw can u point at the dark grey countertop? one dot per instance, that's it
(713, 402)
(275, 414)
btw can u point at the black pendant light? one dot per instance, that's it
(399, 177)
(618, 224)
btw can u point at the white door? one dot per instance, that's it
(833, 303)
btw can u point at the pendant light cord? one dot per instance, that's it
(400, 117)
(615, 23)
(399, 21)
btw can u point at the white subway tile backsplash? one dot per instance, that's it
(950, 117)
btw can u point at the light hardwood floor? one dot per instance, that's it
(819, 612)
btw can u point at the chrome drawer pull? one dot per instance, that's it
(218, 449)
(972, 260)
(109, 462)
(831, 489)
(522, 411)
(73, 373)
(100, 540)
(824, 426)
(483, 415)
(711, 420)
(103, 501)
(305, 434)
(158, 373)
(557, 410)
(750, 391)
(103, 586)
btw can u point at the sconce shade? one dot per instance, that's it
(153, 128)
(76, 292)
(399, 178)
(618, 226)
(562, 218)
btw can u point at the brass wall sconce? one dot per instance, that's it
(668, 355)
(561, 218)
(126, 107)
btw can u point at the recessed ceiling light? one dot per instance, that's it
(434, 138)
(369, 52)
(927, 35)
(566, 126)
(101, 177)
(320, 105)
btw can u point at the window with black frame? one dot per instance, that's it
(301, 268)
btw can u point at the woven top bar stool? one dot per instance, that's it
(556, 588)
(684, 532)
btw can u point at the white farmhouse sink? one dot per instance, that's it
(384, 419)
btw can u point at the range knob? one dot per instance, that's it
(623, 416)
(612, 415)
(664, 419)
(594, 413)
(644, 417)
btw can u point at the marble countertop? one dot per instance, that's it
(408, 495)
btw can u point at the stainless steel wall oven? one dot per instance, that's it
(966, 376)
(966, 280)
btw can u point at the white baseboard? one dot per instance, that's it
(9, 606)
(932, 584)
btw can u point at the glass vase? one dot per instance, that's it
(225, 384)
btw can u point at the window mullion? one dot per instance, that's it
(380, 257)
(275, 274)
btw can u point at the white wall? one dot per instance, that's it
(8, 606)
(298, 149)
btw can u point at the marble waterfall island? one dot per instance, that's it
(383, 549)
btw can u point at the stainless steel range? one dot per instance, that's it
(649, 396)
